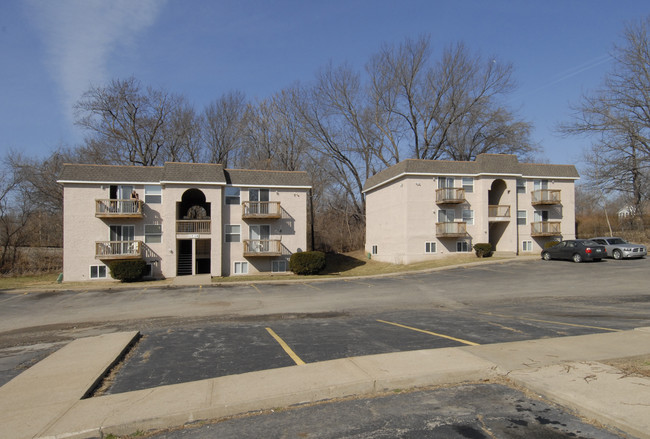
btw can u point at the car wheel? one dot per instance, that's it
(617, 254)
(546, 256)
(577, 257)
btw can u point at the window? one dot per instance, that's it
(429, 247)
(258, 195)
(374, 249)
(152, 194)
(541, 216)
(98, 271)
(463, 246)
(540, 184)
(232, 195)
(241, 267)
(152, 233)
(444, 182)
(279, 266)
(233, 232)
(468, 216)
(446, 216)
(527, 246)
(468, 185)
(521, 217)
(521, 186)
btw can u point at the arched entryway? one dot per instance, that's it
(193, 227)
(498, 212)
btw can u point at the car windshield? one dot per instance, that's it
(615, 241)
(587, 243)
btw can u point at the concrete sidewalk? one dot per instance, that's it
(45, 401)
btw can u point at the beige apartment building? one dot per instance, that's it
(182, 219)
(425, 209)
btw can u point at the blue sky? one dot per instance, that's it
(52, 51)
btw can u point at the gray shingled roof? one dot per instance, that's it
(174, 172)
(193, 172)
(110, 173)
(245, 177)
(484, 164)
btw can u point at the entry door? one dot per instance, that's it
(540, 184)
(125, 235)
(540, 216)
(261, 235)
(258, 195)
(446, 215)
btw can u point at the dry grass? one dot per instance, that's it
(633, 366)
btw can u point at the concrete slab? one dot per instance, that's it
(544, 352)
(30, 401)
(196, 279)
(596, 391)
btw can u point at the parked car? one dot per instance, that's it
(577, 250)
(618, 248)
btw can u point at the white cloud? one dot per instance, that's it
(81, 35)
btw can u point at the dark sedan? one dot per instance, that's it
(576, 250)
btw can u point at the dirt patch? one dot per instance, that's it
(632, 366)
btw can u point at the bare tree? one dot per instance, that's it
(452, 109)
(127, 120)
(617, 117)
(223, 127)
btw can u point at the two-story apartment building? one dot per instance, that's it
(182, 219)
(424, 209)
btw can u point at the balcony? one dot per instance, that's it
(262, 247)
(545, 196)
(193, 227)
(451, 230)
(118, 250)
(261, 209)
(118, 208)
(450, 195)
(498, 213)
(545, 228)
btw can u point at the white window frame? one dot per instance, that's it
(229, 198)
(430, 247)
(99, 269)
(524, 218)
(468, 216)
(149, 235)
(227, 233)
(526, 246)
(152, 194)
(243, 268)
(279, 266)
(468, 185)
(461, 243)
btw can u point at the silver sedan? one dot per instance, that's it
(618, 248)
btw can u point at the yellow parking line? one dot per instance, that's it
(552, 322)
(359, 283)
(311, 286)
(460, 340)
(286, 347)
(256, 289)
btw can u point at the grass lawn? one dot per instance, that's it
(338, 265)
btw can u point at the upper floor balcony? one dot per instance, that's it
(545, 228)
(498, 213)
(545, 196)
(118, 250)
(450, 195)
(451, 230)
(193, 227)
(262, 247)
(113, 208)
(261, 209)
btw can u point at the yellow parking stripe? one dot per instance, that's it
(460, 340)
(552, 322)
(286, 347)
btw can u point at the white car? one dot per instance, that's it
(618, 248)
